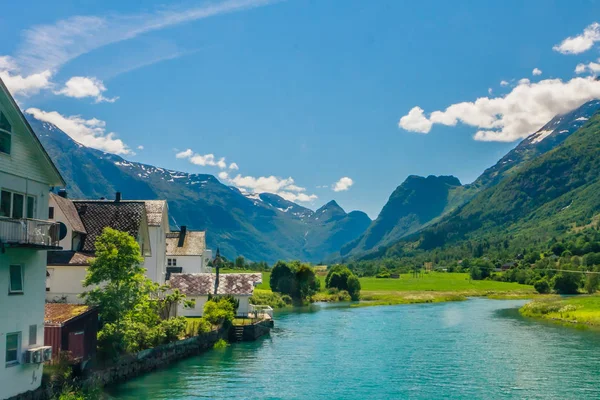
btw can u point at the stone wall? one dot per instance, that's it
(133, 365)
(254, 331)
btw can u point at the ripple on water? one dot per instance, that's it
(477, 349)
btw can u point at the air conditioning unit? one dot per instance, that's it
(46, 353)
(34, 356)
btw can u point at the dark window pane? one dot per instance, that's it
(32, 334)
(174, 262)
(30, 207)
(12, 347)
(4, 124)
(50, 212)
(16, 279)
(5, 141)
(18, 203)
(5, 204)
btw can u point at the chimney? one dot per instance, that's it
(182, 234)
(217, 264)
(62, 193)
(118, 197)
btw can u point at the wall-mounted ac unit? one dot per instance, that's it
(33, 356)
(47, 353)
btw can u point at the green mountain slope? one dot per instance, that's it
(259, 227)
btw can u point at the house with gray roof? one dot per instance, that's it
(82, 221)
(187, 252)
(198, 287)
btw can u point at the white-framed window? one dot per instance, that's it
(5, 134)
(15, 282)
(13, 348)
(172, 262)
(16, 205)
(169, 262)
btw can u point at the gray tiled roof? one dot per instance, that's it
(68, 209)
(204, 284)
(57, 257)
(194, 243)
(124, 216)
(154, 211)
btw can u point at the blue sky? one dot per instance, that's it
(308, 90)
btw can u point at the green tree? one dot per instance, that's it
(354, 287)
(342, 278)
(218, 313)
(566, 282)
(306, 283)
(542, 286)
(592, 281)
(282, 278)
(240, 263)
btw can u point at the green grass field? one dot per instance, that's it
(583, 310)
(426, 288)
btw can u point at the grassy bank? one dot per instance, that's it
(582, 310)
(436, 287)
(430, 287)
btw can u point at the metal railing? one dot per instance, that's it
(260, 311)
(29, 232)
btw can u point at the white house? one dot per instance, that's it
(187, 252)
(198, 287)
(84, 221)
(158, 226)
(26, 175)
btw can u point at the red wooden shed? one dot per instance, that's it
(72, 328)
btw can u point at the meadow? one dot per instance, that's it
(581, 310)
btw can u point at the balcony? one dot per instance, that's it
(31, 233)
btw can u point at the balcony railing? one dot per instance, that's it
(29, 233)
(260, 311)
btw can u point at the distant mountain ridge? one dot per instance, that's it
(420, 202)
(257, 226)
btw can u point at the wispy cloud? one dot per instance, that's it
(580, 43)
(203, 160)
(47, 47)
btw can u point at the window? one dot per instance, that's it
(13, 344)
(5, 134)
(174, 262)
(169, 262)
(16, 279)
(32, 335)
(14, 205)
(50, 212)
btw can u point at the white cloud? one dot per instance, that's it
(185, 154)
(140, 147)
(343, 184)
(490, 91)
(503, 83)
(80, 87)
(203, 160)
(415, 121)
(20, 85)
(223, 175)
(522, 111)
(285, 188)
(580, 43)
(592, 67)
(90, 132)
(47, 47)
(524, 81)
(233, 166)
(536, 72)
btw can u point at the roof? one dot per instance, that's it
(57, 257)
(124, 216)
(68, 209)
(59, 313)
(154, 211)
(58, 179)
(194, 243)
(204, 284)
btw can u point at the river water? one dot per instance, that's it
(476, 349)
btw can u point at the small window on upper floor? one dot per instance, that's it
(5, 134)
(13, 348)
(50, 212)
(174, 262)
(16, 279)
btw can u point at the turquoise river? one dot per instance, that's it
(476, 349)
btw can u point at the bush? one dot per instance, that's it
(197, 326)
(341, 278)
(383, 275)
(220, 344)
(230, 298)
(353, 287)
(218, 313)
(592, 281)
(542, 286)
(566, 282)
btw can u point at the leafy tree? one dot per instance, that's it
(218, 313)
(542, 286)
(354, 287)
(282, 278)
(307, 282)
(229, 298)
(592, 281)
(240, 263)
(567, 282)
(341, 278)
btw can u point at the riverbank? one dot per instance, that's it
(580, 311)
(432, 287)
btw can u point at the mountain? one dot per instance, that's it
(257, 226)
(420, 202)
(548, 196)
(416, 202)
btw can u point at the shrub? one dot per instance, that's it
(542, 286)
(566, 282)
(341, 278)
(353, 287)
(273, 299)
(230, 298)
(218, 313)
(197, 326)
(220, 344)
(592, 281)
